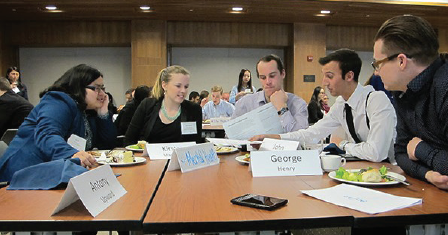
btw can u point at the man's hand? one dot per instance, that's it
(261, 137)
(439, 180)
(412, 145)
(279, 99)
(204, 101)
(87, 160)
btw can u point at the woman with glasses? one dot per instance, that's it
(167, 116)
(75, 107)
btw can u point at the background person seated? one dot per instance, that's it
(13, 108)
(217, 107)
(126, 114)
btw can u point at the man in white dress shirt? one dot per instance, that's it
(370, 126)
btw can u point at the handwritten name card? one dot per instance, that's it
(278, 145)
(285, 163)
(193, 158)
(97, 189)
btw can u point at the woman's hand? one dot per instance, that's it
(87, 160)
(412, 145)
(239, 95)
(104, 109)
(439, 180)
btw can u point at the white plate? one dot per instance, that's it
(224, 150)
(135, 150)
(396, 175)
(241, 158)
(97, 153)
(138, 160)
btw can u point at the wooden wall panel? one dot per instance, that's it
(149, 51)
(309, 40)
(443, 39)
(353, 37)
(70, 33)
(228, 34)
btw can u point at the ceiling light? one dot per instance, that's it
(237, 9)
(145, 8)
(325, 12)
(51, 7)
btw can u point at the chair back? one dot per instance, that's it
(9, 135)
(3, 147)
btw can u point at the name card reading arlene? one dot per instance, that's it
(285, 163)
(164, 150)
(278, 145)
(193, 158)
(97, 189)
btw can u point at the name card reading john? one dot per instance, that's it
(97, 189)
(285, 163)
(193, 157)
(275, 144)
(164, 150)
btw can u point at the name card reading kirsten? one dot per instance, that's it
(285, 163)
(97, 189)
(164, 150)
(193, 158)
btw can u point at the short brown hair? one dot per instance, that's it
(410, 35)
(217, 89)
(4, 84)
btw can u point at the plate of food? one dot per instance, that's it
(244, 159)
(367, 177)
(139, 147)
(97, 153)
(120, 158)
(224, 150)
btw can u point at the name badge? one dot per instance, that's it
(285, 163)
(16, 90)
(193, 158)
(97, 189)
(77, 142)
(188, 128)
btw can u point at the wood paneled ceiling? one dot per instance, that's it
(360, 12)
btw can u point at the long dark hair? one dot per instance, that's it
(14, 68)
(141, 92)
(240, 80)
(74, 83)
(315, 95)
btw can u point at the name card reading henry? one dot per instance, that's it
(97, 189)
(193, 157)
(285, 163)
(164, 150)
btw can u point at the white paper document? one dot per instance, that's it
(230, 142)
(262, 120)
(362, 199)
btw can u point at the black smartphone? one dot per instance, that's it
(259, 201)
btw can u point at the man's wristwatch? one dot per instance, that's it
(283, 110)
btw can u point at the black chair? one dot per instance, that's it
(3, 147)
(9, 135)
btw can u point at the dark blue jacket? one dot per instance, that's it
(43, 135)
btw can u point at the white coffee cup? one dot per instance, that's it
(332, 162)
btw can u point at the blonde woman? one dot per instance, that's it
(167, 117)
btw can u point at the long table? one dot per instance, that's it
(199, 201)
(30, 210)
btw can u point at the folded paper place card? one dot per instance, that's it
(193, 158)
(164, 150)
(278, 145)
(285, 163)
(362, 199)
(97, 189)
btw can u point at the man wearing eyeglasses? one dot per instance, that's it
(366, 116)
(407, 59)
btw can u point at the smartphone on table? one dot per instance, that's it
(259, 201)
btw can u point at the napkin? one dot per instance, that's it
(47, 175)
(362, 199)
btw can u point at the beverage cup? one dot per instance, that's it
(331, 162)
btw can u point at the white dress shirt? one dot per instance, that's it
(377, 142)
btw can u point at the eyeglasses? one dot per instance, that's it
(98, 89)
(376, 64)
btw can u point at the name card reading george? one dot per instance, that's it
(285, 163)
(193, 157)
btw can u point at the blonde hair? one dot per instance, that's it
(216, 89)
(165, 76)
